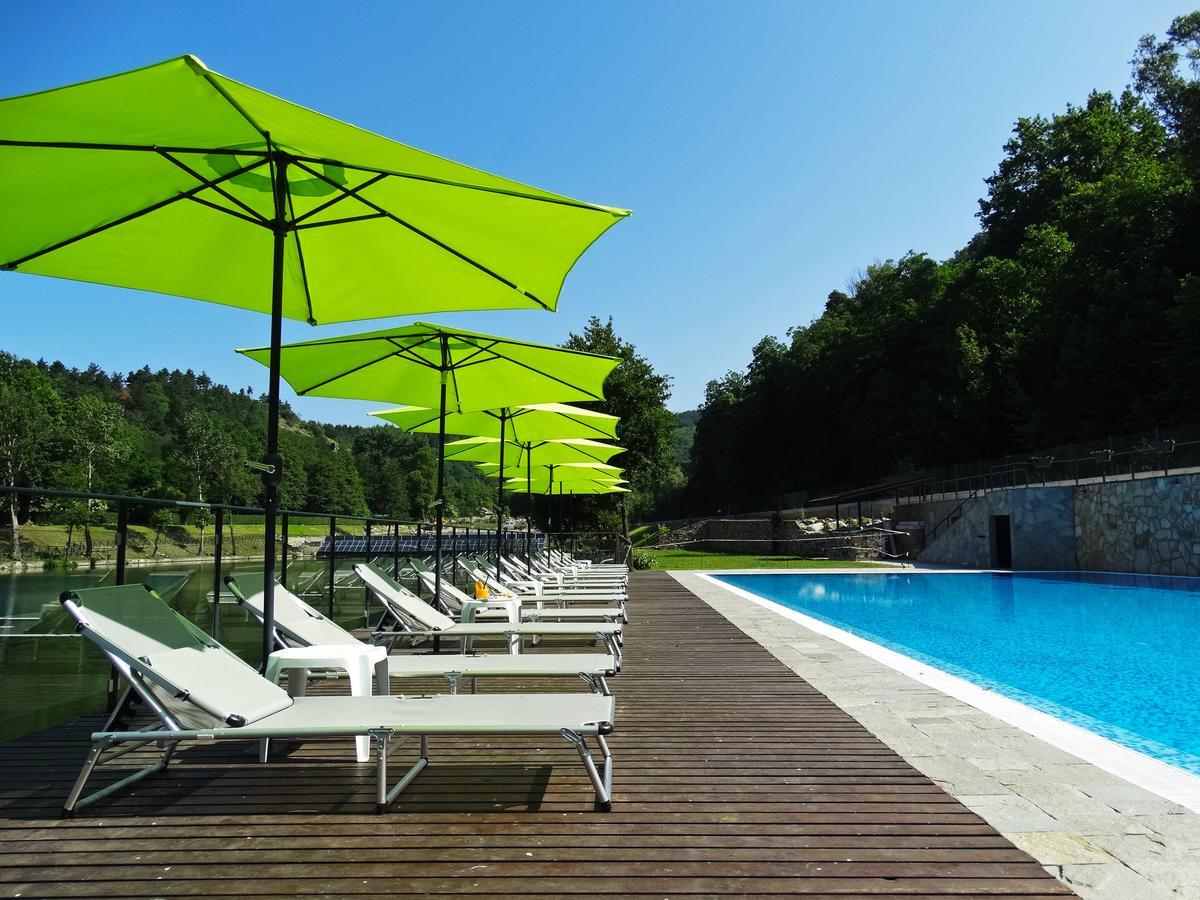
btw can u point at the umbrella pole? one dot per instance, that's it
(441, 483)
(274, 463)
(529, 511)
(500, 495)
(550, 502)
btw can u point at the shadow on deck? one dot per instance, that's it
(733, 776)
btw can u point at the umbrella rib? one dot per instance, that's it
(429, 237)
(517, 362)
(348, 194)
(577, 421)
(300, 257)
(327, 381)
(225, 209)
(325, 222)
(132, 148)
(406, 351)
(520, 195)
(220, 190)
(154, 207)
(208, 76)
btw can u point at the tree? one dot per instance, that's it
(202, 518)
(29, 412)
(1172, 90)
(162, 518)
(97, 435)
(638, 394)
(334, 485)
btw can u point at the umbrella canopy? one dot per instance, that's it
(524, 424)
(555, 472)
(578, 488)
(438, 366)
(481, 371)
(487, 450)
(173, 178)
(165, 179)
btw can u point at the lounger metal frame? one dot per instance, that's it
(107, 745)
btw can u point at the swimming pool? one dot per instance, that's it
(1118, 655)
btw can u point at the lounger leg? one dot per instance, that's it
(388, 796)
(380, 739)
(603, 790)
(94, 758)
(608, 766)
(453, 678)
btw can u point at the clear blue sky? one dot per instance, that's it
(768, 150)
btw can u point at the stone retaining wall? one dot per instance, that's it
(1147, 526)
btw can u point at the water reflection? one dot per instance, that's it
(50, 674)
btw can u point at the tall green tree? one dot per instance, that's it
(638, 394)
(29, 415)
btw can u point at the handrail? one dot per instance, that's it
(193, 504)
(972, 499)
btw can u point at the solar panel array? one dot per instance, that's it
(411, 545)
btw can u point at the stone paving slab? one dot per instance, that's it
(1105, 838)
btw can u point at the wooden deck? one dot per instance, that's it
(733, 776)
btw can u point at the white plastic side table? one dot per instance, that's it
(356, 660)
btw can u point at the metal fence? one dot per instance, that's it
(1124, 457)
(51, 674)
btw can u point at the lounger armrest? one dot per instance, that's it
(537, 588)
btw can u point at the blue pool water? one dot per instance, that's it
(1118, 655)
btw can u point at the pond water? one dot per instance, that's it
(51, 675)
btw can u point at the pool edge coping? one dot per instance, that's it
(1157, 777)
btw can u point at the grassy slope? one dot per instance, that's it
(696, 559)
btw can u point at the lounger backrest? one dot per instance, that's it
(451, 595)
(399, 598)
(295, 619)
(200, 682)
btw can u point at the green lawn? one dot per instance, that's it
(698, 559)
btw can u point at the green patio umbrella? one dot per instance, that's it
(567, 450)
(443, 368)
(572, 487)
(491, 450)
(176, 179)
(522, 424)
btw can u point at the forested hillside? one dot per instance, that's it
(180, 436)
(1073, 313)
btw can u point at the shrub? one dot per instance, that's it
(640, 560)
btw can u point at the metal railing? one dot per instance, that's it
(594, 545)
(1163, 451)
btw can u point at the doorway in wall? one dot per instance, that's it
(1001, 542)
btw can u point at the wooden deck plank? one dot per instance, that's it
(733, 776)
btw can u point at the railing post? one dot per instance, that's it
(367, 590)
(114, 680)
(420, 551)
(122, 538)
(453, 550)
(396, 551)
(332, 560)
(283, 550)
(218, 546)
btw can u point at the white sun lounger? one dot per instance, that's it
(200, 691)
(418, 618)
(299, 625)
(514, 585)
(535, 605)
